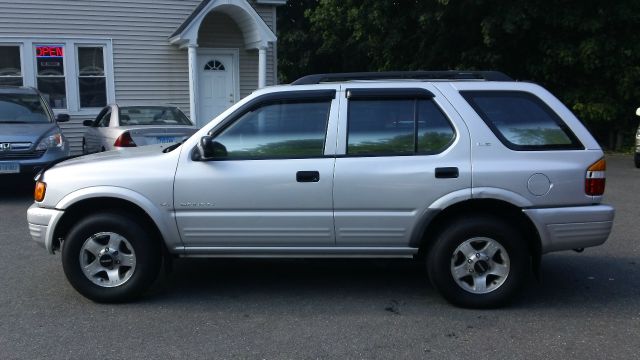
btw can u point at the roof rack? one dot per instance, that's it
(404, 75)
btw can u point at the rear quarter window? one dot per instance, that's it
(522, 121)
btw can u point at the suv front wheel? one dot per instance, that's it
(478, 262)
(109, 257)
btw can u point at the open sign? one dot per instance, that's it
(49, 51)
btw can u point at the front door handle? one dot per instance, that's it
(307, 176)
(447, 172)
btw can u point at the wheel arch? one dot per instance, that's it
(83, 205)
(486, 206)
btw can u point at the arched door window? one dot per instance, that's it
(214, 65)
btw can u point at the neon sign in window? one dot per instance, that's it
(51, 75)
(49, 51)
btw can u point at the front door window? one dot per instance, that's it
(280, 130)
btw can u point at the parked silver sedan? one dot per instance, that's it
(128, 126)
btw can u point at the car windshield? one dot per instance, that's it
(151, 115)
(22, 108)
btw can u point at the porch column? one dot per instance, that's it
(193, 81)
(262, 67)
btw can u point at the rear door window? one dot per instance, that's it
(522, 121)
(389, 127)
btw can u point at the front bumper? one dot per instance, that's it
(572, 227)
(31, 166)
(42, 222)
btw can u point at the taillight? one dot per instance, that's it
(124, 140)
(595, 178)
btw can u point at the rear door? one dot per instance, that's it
(401, 150)
(274, 186)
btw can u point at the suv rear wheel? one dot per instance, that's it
(110, 257)
(478, 262)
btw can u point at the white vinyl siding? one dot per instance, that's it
(146, 68)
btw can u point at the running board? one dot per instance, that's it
(296, 252)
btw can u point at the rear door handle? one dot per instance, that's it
(307, 176)
(447, 172)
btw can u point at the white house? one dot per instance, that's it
(202, 55)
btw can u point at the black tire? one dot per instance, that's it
(444, 254)
(636, 160)
(146, 249)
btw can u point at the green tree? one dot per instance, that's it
(586, 52)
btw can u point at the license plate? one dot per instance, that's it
(166, 139)
(9, 168)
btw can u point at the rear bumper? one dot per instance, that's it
(572, 227)
(41, 225)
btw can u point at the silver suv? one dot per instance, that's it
(473, 173)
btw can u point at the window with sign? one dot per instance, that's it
(92, 84)
(51, 75)
(10, 68)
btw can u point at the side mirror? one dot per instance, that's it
(210, 149)
(62, 117)
(87, 123)
(638, 111)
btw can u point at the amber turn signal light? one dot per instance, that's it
(41, 188)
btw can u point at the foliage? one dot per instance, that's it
(585, 52)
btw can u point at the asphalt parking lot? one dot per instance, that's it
(586, 306)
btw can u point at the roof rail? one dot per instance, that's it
(404, 75)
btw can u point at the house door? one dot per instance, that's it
(216, 86)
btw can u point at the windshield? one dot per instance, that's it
(152, 115)
(22, 108)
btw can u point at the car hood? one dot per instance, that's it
(144, 170)
(24, 132)
(124, 155)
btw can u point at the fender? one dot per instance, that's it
(460, 196)
(162, 218)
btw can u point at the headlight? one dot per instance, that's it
(55, 140)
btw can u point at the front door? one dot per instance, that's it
(216, 85)
(271, 185)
